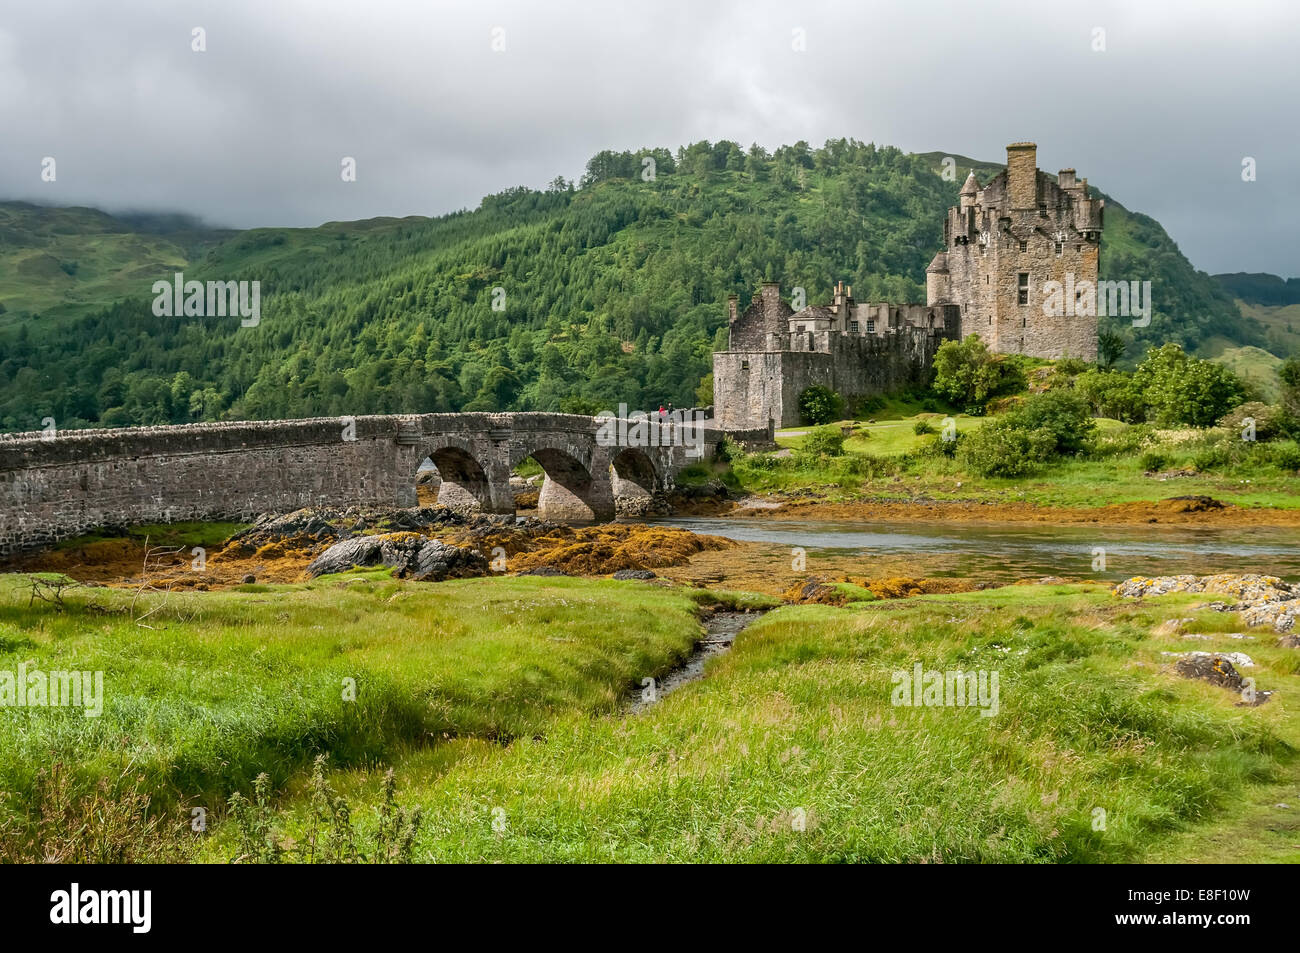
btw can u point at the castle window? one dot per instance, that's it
(1059, 248)
(1024, 246)
(871, 327)
(744, 365)
(1024, 288)
(1078, 248)
(990, 320)
(853, 326)
(803, 327)
(986, 279)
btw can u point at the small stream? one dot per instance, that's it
(720, 631)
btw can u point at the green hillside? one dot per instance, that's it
(614, 292)
(57, 263)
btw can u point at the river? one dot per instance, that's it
(1009, 551)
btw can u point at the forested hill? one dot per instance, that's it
(611, 292)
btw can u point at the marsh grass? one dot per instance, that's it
(790, 748)
(227, 686)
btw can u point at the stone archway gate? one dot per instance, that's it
(58, 485)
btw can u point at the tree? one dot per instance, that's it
(820, 405)
(1110, 348)
(967, 373)
(1179, 389)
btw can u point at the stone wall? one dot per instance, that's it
(78, 481)
(751, 388)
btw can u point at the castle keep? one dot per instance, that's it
(1002, 244)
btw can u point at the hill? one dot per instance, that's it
(569, 298)
(57, 263)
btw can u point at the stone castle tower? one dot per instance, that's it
(1002, 245)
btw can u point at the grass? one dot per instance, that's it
(497, 702)
(886, 459)
(219, 687)
(790, 749)
(185, 534)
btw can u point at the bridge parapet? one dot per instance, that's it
(57, 485)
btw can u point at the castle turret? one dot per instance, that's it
(937, 280)
(970, 191)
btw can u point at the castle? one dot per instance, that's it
(1002, 244)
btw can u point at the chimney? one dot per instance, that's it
(771, 293)
(1065, 179)
(1022, 175)
(733, 305)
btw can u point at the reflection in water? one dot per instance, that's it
(1009, 550)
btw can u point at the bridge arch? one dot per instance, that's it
(464, 485)
(576, 487)
(634, 479)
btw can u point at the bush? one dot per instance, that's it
(969, 374)
(1286, 457)
(1153, 461)
(1178, 389)
(1268, 420)
(824, 441)
(1004, 449)
(820, 405)
(1060, 414)
(922, 427)
(1071, 365)
(1111, 394)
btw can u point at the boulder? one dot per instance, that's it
(411, 554)
(634, 574)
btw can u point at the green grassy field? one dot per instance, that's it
(212, 689)
(790, 750)
(884, 460)
(497, 703)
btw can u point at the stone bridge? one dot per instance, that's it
(59, 485)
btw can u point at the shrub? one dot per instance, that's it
(968, 374)
(922, 427)
(1060, 414)
(824, 441)
(1071, 365)
(1110, 394)
(1004, 449)
(1153, 461)
(1178, 389)
(1268, 419)
(820, 405)
(1286, 456)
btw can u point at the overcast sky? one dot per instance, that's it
(253, 130)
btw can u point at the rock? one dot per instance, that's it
(1280, 615)
(543, 571)
(1212, 667)
(634, 574)
(411, 554)
(249, 579)
(1262, 600)
(1050, 580)
(312, 529)
(1172, 626)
